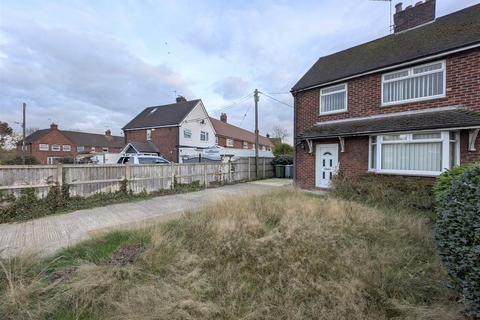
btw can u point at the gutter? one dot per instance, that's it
(395, 66)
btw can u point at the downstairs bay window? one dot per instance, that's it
(417, 153)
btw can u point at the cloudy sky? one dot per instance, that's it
(93, 65)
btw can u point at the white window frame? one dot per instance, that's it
(43, 147)
(204, 135)
(245, 145)
(80, 148)
(149, 134)
(93, 149)
(51, 160)
(444, 139)
(229, 142)
(56, 147)
(411, 75)
(67, 147)
(334, 92)
(216, 140)
(187, 133)
(105, 149)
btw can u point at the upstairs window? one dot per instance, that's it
(229, 142)
(80, 148)
(333, 99)
(43, 147)
(55, 147)
(187, 133)
(67, 147)
(203, 136)
(149, 134)
(245, 145)
(414, 84)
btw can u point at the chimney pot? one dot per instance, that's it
(268, 135)
(223, 117)
(108, 132)
(398, 7)
(54, 126)
(181, 99)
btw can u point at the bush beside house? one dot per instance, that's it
(457, 230)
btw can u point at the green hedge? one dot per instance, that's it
(457, 230)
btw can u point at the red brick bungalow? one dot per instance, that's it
(406, 104)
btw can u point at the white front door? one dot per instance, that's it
(326, 164)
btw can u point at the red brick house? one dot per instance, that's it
(51, 145)
(406, 104)
(230, 136)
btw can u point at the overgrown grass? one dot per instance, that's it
(409, 195)
(285, 255)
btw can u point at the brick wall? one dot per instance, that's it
(364, 98)
(165, 139)
(51, 138)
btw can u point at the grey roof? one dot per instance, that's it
(144, 146)
(158, 116)
(82, 138)
(456, 30)
(441, 118)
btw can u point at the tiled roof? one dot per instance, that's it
(230, 131)
(144, 147)
(82, 138)
(453, 31)
(439, 118)
(165, 115)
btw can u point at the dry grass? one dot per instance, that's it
(286, 255)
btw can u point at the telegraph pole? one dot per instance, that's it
(256, 132)
(23, 129)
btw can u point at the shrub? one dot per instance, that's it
(445, 179)
(457, 232)
(18, 160)
(283, 160)
(398, 193)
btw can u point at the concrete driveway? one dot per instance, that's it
(48, 234)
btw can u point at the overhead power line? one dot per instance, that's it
(234, 103)
(279, 101)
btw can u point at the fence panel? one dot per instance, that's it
(86, 180)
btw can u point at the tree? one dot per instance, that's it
(5, 132)
(282, 149)
(279, 132)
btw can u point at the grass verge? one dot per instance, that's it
(285, 255)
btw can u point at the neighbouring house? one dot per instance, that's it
(406, 104)
(52, 145)
(275, 141)
(176, 130)
(238, 141)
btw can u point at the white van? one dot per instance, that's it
(142, 159)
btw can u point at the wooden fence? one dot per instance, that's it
(86, 180)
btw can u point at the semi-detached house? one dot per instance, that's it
(405, 104)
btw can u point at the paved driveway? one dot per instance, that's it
(47, 235)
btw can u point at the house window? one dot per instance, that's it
(67, 147)
(55, 147)
(43, 147)
(333, 99)
(263, 148)
(80, 148)
(422, 153)
(229, 142)
(414, 84)
(216, 140)
(149, 134)
(93, 149)
(105, 149)
(245, 145)
(187, 133)
(203, 136)
(54, 160)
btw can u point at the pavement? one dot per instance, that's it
(49, 234)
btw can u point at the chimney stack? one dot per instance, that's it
(223, 117)
(53, 126)
(181, 99)
(413, 16)
(108, 133)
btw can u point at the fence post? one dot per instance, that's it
(249, 178)
(230, 171)
(60, 174)
(172, 176)
(127, 171)
(205, 182)
(263, 168)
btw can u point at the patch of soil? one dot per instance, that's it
(63, 275)
(125, 255)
